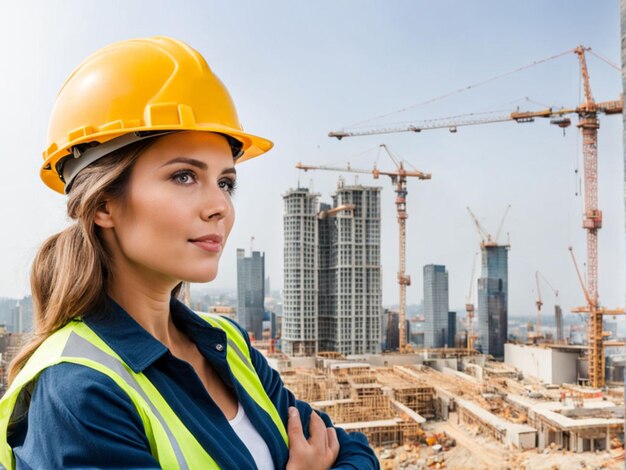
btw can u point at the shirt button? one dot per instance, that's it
(219, 347)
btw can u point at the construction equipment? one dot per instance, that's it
(398, 179)
(469, 308)
(558, 315)
(592, 220)
(334, 210)
(487, 239)
(595, 331)
(536, 336)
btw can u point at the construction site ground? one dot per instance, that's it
(416, 417)
(474, 451)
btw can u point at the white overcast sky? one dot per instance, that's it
(298, 70)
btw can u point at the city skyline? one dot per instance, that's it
(348, 75)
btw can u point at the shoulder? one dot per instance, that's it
(81, 392)
(75, 400)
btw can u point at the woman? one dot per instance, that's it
(143, 140)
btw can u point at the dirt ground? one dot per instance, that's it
(474, 451)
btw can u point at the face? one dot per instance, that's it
(174, 220)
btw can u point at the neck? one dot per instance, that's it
(148, 303)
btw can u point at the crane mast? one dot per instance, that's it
(538, 303)
(469, 308)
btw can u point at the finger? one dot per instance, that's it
(317, 432)
(294, 428)
(333, 442)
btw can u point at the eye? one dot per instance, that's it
(228, 185)
(184, 177)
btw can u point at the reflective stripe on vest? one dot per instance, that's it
(171, 443)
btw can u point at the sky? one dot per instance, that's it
(297, 70)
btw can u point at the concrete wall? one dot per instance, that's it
(549, 365)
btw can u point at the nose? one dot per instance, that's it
(216, 203)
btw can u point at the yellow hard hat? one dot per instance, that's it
(133, 90)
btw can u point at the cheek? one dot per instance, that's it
(151, 227)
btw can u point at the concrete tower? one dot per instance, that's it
(300, 307)
(350, 273)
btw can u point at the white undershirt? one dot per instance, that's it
(252, 439)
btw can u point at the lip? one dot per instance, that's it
(211, 243)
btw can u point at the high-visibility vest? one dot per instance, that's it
(171, 443)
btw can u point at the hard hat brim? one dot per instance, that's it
(252, 146)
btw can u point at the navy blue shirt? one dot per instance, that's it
(79, 418)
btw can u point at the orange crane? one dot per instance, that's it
(334, 210)
(487, 239)
(592, 219)
(536, 336)
(469, 308)
(558, 317)
(398, 179)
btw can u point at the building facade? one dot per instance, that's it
(251, 291)
(493, 300)
(435, 306)
(301, 266)
(332, 272)
(451, 343)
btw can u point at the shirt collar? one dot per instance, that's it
(138, 348)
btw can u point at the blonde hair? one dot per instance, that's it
(71, 270)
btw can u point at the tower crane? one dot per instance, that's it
(398, 179)
(469, 308)
(588, 123)
(537, 334)
(558, 316)
(487, 239)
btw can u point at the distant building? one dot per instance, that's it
(558, 317)
(275, 324)
(435, 306)
(451, 343)
(332, 289)
(251, 291)
(22, 316)
(493, 300)
(390, 331)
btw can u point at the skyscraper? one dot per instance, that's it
(333, 295)
(451, 343)
(493, 299)
(391, 331)
(300, 306)
(251, 291)
(435, 306)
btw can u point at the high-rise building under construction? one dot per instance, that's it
(300, 258)
(493, 299)
(332, 292)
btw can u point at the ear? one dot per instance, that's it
(103, 217)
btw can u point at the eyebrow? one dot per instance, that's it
(196, 163)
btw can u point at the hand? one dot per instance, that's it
(319, 451)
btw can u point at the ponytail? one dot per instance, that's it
(70, 272)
